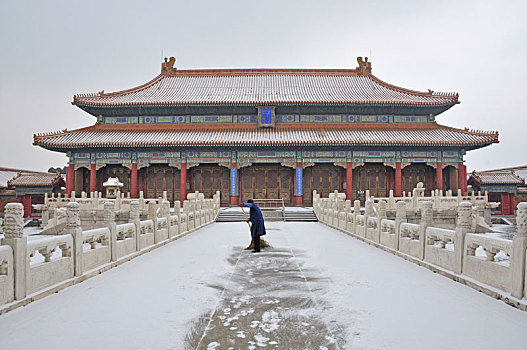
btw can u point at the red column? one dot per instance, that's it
(70, 179)
(133, 189)
(513, 204)
(349, 181)
(183, 184)
(398, 179)
(234, 184)
(26, 202)
(465, 180)
(439, 175)
(93, 178)
(460, 177)
(505, 204)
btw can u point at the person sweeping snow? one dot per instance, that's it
(257, 223)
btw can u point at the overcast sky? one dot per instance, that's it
(51, 50)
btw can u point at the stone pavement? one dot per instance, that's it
(266, 302)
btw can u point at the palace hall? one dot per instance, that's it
(266, 134)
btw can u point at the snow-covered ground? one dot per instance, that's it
(317, 288)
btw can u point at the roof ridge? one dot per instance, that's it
(22, 170)
(257, 71)
(102, 94)
(471, 131)
(430, 93)
(519, 167)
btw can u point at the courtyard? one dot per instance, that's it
(317, 288)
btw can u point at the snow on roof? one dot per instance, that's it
(498, 177)
(349, 135)
(38, 179)
(269, 86)
(8, 174)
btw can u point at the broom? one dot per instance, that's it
(263, 242)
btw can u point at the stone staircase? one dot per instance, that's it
(300, 215)
(290, 214)
(225, 215)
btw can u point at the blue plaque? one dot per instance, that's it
(234, 182)
(266, 117)
(298, 182)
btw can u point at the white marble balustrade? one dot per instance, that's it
(96, 248)
(28, 267)
(492, 261)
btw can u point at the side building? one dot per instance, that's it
(266, 133)
(505, 185)
(27, 187)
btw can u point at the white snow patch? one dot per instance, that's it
(213, 345)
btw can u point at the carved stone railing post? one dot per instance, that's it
(381, 215)
(135, 219)
(400, 217)
(73, 227)
(391, 200)
(109, 221)
(464, 223)
(13, 237)
(356, 211)
(519, 244)
(177, 212)
(45, 214)
(165, 213)
(368, 212)
(152, 215)
(427, 215)
(347, 206)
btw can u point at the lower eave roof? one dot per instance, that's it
(32, 180)
(497, 178)
(107, 136)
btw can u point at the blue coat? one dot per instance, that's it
(256, 218)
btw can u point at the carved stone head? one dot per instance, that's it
(521, 219)
(464, 215)
(368, 208)
(400, 209)
(427, 211)
(134, 210)
(382, 209)
(13, 220)
(165, 208)
(109, 211)
(72, 215)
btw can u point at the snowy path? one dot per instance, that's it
(317, 287)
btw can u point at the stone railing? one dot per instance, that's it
(444, 208)
(439, 199)
(96, 249)
(51, 268)
(491, 261)
(92, 209)
(44, 262)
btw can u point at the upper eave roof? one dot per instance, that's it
(104, 136)
(265, 86)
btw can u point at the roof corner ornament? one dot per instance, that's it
(101, 93)
(167, 67)
(364, 67)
